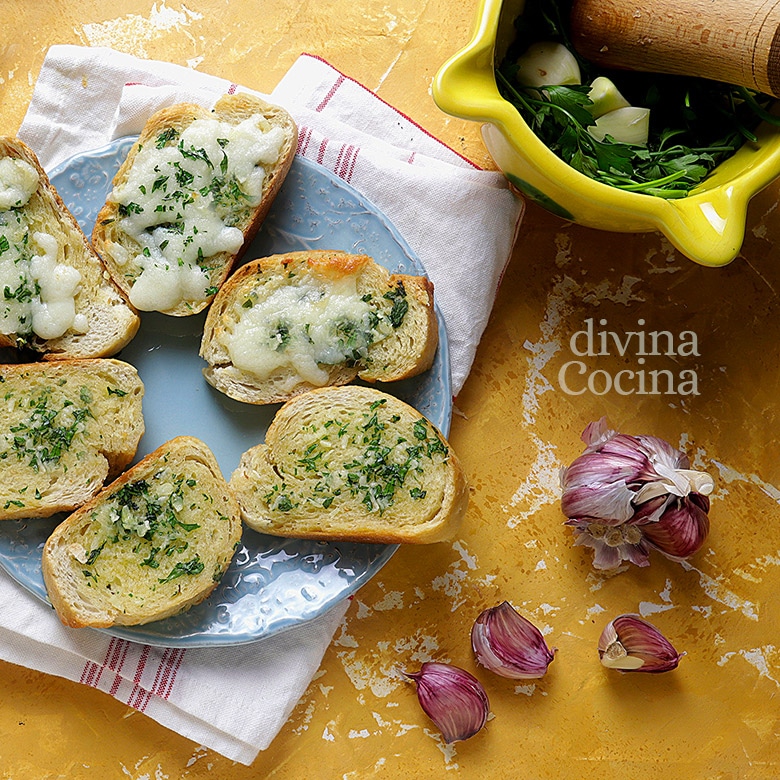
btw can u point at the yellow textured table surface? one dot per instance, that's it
(515, 425)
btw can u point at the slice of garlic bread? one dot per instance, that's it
(57, 298)
(351, 463)
(288, 323)
(190, 197)
(152, 544)
(65, 427)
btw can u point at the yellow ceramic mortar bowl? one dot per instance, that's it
(708, 226)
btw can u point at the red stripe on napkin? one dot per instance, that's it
(116, 663)
(166, 673)
(304, 136)
(342, 78)
(164, 678)
(344, 164)
(331, 92)
(321, 150)
(113, 660)
(138, 698)
(345, 161)
(87, 675)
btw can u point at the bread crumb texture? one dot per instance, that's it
(55, 298)
(288, 323)
(152, 544)
(64, 428)
(189, 197)
(352, 463)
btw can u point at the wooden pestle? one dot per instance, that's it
(736, 41)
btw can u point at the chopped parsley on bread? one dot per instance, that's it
(65, 427)
(152, 544)
(190, 197)
(288, 323)
(351, 463)
(55, 295)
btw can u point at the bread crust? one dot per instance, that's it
(352, 463)
(67, 426)
(230, 108)
(146, 596)
(407, 351)
(112, 320)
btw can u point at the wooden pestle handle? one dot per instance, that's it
(736, 41)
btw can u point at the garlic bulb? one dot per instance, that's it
(631, 644)
(626, 495)
(510, 645)
(452, 698)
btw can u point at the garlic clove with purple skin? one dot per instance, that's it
(596, 483)
(509, 645)
(682, 528)
(452, 698)
(602, 482)
(630, 644)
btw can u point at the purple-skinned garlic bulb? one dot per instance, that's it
(626, 495)
(630, 644)
(509, 645)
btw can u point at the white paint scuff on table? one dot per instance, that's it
(139, 29)
(540, 488)
(757, 658)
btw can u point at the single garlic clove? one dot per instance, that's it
(628, 125)
(682, 528)
(700, 481)
(547, 63)
(600, 482)
(605, 97)
(509, 645)
(631, 644)
(452, 698)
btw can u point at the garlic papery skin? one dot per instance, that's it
(452, 698)
(628, 494)
(630, 644)
(509, 645)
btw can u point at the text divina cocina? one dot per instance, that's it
(577, 377)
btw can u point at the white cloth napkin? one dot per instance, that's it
(461, 222)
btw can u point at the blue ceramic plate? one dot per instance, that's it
(273, 583)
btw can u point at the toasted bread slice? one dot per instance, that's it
(57, 298)
(351, 463)
(64, 428)
(150, 545)
(189, 198)
(286, 324)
